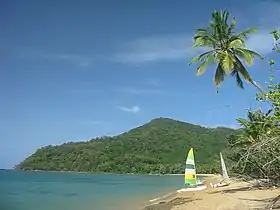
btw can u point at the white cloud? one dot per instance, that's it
(265, 16)
(264, 13)
(179, 47)
(80, 60)
(135, 91)
(134, 109)
(174, 47)
(156, 48)
(261, 42)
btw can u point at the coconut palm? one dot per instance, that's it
(226, 49)
(254, 126)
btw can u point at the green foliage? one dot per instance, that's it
(159, 146)
(257, 149)
(254, 127)
(276, 37)
(227, 49)
(276, 48)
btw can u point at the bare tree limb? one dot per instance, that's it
(271, 161)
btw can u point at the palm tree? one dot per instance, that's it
(227, 50)
(254, 127)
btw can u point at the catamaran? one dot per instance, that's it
(226, 179)
(191, 181)
(224, 168)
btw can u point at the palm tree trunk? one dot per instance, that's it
(257, 86)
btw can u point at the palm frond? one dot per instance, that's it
(219, 26)
(231, 27)
(203, 31)
(219, 75)
(243, 122)
(203, 42)
(201, 56)
(242, 70)
(202, 67)
(236, 43)
(244, 34)
(247, 57)
(227, 61)
(251, 52)
(203, 37)
(238, 79)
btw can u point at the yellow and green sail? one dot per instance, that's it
(190, 172)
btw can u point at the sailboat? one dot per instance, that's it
(226, 179)
(191, 181)
(224, 168)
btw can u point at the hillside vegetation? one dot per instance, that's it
(159, 146)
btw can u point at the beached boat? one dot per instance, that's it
(226, 180)
(191, 181)
(224, 169)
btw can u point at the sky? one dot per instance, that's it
(74, 70)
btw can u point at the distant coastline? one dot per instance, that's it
(196, 174)
(86, 172)
(158, 147)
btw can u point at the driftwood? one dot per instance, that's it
(274, 201)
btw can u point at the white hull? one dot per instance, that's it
(220, 185)
(199, 182)
(198, 188)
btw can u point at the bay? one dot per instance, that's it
(38, 190)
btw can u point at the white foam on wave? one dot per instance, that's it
(198, 188)
(161, 197)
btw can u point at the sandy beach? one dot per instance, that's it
(236, 196)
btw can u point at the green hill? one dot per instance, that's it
(159, 146)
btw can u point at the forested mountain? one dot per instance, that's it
(159, 146)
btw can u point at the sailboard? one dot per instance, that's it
(191, 181)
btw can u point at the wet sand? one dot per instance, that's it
(236, 196)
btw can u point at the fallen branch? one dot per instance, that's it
(274, 201)
(271, 161)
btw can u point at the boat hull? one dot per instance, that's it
(198, 188)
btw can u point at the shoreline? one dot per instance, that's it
(86, 172)
(237, 195)
(206, 175)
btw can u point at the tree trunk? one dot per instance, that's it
(257, 86)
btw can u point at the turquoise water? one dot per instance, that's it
(77, 191)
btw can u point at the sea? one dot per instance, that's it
(39, 190)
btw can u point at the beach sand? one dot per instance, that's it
(236, 196)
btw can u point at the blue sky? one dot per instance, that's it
(72, 70)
